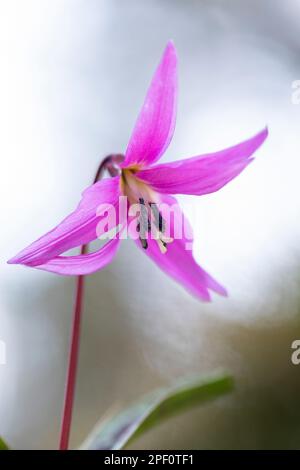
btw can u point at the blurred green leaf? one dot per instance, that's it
(3, 445)
(117, 431)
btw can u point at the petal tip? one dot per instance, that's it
(170, 51)
(13, 260)
(264, 133)
(170, 45)
(219, 289)
(261, 136)
(223, 292)
(204, 296)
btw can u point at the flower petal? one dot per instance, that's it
(155, 125)
(76, 229)
(203, 174)
(178, 261)
(82, 264)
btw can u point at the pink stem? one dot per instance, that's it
(109, 163)
(72, 365)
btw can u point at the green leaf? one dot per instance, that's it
(3, 445)
(116, 432)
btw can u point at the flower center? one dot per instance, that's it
(150, 222)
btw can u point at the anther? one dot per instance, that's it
(144, 243)
(163, 243)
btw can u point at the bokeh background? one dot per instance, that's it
(73, 77)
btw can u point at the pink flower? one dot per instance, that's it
(146, 184)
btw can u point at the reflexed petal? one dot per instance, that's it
(82, 264)
(178, 262)
(155, 125)
(77, 229)
(203, 174)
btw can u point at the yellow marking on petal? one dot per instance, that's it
(134, 188)
(134, 168)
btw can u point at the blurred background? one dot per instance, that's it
(73, 77)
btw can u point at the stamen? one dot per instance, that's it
(143, 224)
(162, 246)
(158, 218)
(144, 243)
(150, 219)
(160, 225)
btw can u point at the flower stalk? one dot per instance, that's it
(72, 364)
(110, 163)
